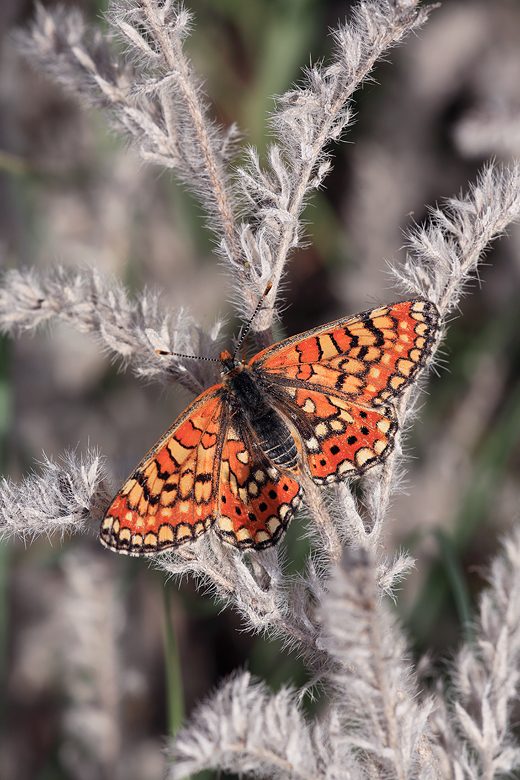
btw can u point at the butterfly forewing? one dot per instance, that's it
(370, 357)
(170, 499)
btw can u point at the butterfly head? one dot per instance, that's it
(229, 366)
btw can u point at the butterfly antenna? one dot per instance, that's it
(191, 357)
(248, 325)
(241, 340)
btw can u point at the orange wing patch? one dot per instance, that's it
(370, 357)
(256, 501)
(170, 499)
(343, 439)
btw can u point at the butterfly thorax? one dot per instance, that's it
(251, 408)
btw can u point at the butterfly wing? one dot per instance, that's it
(340, 437)
(337, 383)
(203, 469)
(171, 497)
(256, 500)
(369, 357)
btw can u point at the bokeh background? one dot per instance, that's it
(99, 655)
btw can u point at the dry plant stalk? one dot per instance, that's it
(377, 725)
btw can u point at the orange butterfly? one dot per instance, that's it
(320, 401)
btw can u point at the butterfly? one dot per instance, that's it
(322, 401)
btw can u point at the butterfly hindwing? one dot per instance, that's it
(256, 500)
(341, 439)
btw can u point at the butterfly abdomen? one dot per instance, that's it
(273, 435)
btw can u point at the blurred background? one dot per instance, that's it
(99, 655)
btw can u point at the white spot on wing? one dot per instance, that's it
(312, 445)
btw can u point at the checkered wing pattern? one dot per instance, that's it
(334, 387)
(338, 382)
(199, 472)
